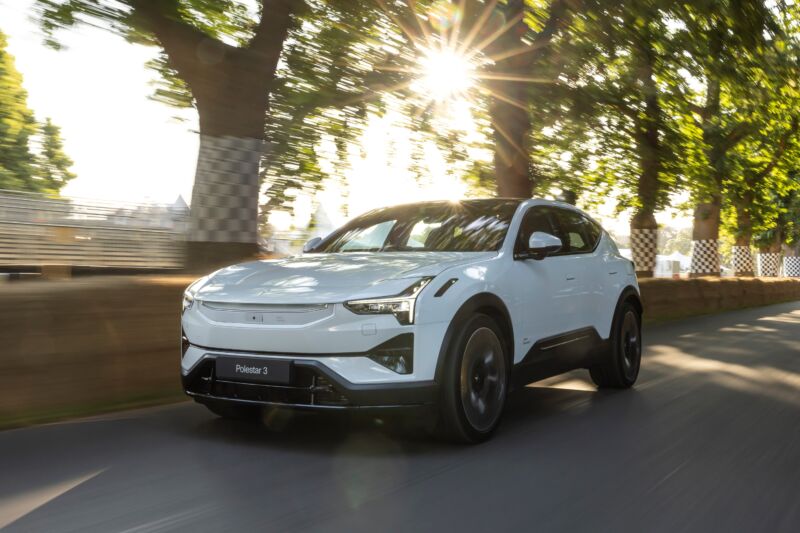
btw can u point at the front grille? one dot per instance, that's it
(308, 387)
(265, 314)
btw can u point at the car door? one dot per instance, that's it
(577, 295)
(609, 276)
(538, 284)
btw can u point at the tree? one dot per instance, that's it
(724, 49)
(510, 45)
(53, 165)
(617, 133)
(333, 73)
(522, 58)
(224, 60)
(637, 127)
(17, 127)
(22, 166)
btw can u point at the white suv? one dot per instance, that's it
(444, 304)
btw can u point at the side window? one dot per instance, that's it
(595, 231)
(536, 219)
(577, 232)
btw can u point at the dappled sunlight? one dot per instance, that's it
(12, 508)
(760, 380)
(746, 328)
(475, 272)
(792, 317)
(566, 383)
(305, 282)
(300, 264)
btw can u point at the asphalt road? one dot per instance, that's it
(708, 440)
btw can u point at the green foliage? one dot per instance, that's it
(53, 164)
(761, 167)
(322, 92)
(675, 240)
(613, 119)
(336, 68)
(631, 100)
(22, 167)
(17, 126)
(723, 74)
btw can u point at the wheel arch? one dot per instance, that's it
(628, 295)
(486, 303)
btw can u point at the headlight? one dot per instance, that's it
(188, 300)
(401, 306)
(191, 290)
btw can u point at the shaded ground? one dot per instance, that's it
(709, 440)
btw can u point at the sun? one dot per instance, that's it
(445, 74)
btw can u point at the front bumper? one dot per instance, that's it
(313, 386)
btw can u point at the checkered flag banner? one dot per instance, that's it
(225, 195)
(644, 246)
(791, 267)
(742, 261)
(768, 264)
(705, 257)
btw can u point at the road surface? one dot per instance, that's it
(709, 440)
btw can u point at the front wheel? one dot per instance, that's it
(619, 366)
(475, 382)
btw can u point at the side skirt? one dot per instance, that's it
(559, 354)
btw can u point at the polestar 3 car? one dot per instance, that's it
(445, 305)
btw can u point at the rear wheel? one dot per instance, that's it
(233, 411)
(475, 382)
(619, 367)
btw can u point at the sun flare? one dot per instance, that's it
(446, 74)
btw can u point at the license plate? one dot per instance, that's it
(253, 370)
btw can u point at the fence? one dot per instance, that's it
(37, 230)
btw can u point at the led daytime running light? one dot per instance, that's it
(401, 306)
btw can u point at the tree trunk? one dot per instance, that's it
(705, 238)
(508, 110)
(223, 220)
(769, 256)
(705, 231)
(511, 158)
(230, 86)
(791, 262)
(644, 243)
(742, 257)
(232, 107)
(644, 229)
(509, 107)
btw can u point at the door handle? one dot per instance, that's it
(612, 273)
(570, 278)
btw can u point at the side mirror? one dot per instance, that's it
(311, 244)
(542, 244)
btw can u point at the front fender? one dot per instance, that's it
(486, 303)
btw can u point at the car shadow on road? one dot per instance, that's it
(412, 432)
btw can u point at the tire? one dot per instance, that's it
(232, 411)
(619, 366)
(474, 382)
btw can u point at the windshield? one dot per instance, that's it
(467, 226)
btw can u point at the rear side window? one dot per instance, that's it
(577, 233)
(595, 232)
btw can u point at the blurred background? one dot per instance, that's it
(163, 135)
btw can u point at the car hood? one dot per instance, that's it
(329, 278)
